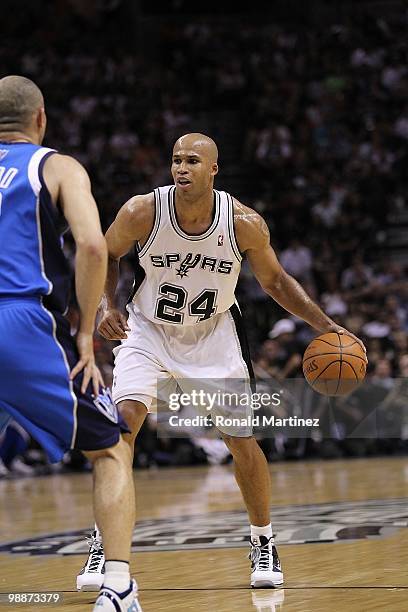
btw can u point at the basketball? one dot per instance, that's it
(334, 364)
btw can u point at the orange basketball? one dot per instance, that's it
(334, 364)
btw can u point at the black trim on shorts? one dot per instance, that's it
(243, 342)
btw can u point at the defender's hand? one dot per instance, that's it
(113, 325)
(87, 363)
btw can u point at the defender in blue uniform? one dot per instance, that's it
(37, 351)
(50, 383)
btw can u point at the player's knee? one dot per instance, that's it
(102, 453)
(239, 446)
(118, 452)
(134, 414)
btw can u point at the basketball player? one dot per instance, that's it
(191, 239)
(48, 384)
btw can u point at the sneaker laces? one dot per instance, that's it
(96, 554)
(259, 556)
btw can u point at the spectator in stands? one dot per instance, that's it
(297, 260)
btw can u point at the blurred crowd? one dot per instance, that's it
(312, 128)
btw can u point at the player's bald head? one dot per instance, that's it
(20, 98)
(200, 143)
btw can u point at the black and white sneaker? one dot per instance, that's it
(91, 576)
(112, 601)
(266, 571)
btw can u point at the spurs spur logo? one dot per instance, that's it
(188, 262)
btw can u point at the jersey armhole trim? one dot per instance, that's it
(33, 170)
(44, 191)
(231, 229)
(157, 216)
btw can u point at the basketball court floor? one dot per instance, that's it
(342, 534)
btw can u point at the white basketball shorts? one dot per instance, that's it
(170, 356)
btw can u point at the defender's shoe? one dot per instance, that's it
(266, 571)
(91, 576)
(111, 601)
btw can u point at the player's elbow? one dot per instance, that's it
(273, 283)
(93, 247)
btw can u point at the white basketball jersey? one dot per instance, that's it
(187, 279)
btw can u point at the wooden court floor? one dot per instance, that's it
(342, 533)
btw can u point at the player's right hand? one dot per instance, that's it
(87, 364)
(113, 325)
(338, 329)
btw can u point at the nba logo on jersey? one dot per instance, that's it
(3, 153)
(220, 240)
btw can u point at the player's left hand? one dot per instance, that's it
(337, 329)
(87, 364)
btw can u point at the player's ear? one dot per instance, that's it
(41, 118)
(41, 124)
(214, 169)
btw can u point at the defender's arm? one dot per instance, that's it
(68, 183)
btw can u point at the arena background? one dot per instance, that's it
(308, 103)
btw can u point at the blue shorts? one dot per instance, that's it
(37, 353)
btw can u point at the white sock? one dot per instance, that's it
(97, 532)
(261, 531)
(117, 575)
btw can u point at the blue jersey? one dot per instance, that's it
(37, 351)
(32, 263)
